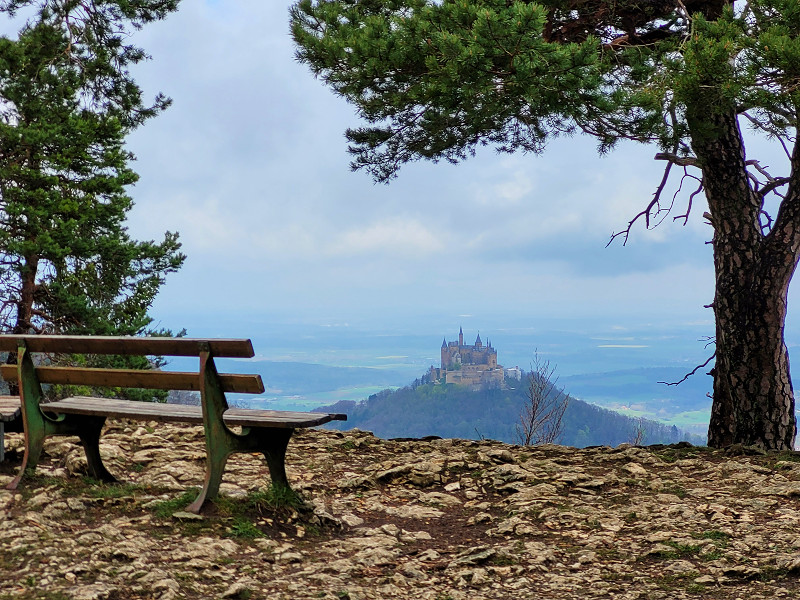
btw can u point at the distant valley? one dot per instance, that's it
(305, 366)
(632, 393)
(305, 386)
(638, 393)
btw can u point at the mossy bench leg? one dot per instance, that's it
(35, 425)
(272, 443)
(215, 466)
(89, 430)
(221, 442)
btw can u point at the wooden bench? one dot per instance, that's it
(10, 417)
(264, 431)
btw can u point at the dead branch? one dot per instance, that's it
(681, 161)
(654, 204)
(692, 372)
(765, 227)
(639, 433)
(709, 339)
(685, 216)
(541, 420)
(772, 185)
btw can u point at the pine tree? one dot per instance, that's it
(436, 79)
(67, 262)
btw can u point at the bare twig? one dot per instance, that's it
(685, 216)
(541, 420)
(765, 227)
(774, 184)
(654, 204)
(639, 433)
(692, 372)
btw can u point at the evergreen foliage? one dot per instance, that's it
(435, 79)
(67, 101)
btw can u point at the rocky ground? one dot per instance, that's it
(435, 520)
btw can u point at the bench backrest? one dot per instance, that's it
(131, 378)
(142, 346)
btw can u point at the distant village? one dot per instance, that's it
(474, 365)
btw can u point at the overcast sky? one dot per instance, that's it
(250, 166)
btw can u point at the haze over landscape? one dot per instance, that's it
(319, 265)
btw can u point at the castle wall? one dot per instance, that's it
(474, 377)
(469, 365)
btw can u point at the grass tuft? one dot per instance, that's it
(165, 509)
(244, 528)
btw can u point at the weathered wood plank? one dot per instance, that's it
(148, 346)
(126, 378)
(9, 411)
(9, 408)
(252, 417)
(125, 409)
(150, 411)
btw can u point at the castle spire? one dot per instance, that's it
(460, 336)
(478, 339)
(444, 342)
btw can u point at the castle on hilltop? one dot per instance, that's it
(468, 365)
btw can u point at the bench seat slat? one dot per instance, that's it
(9, 408)
(143, 346)
(252, 417)
(124, 378)
(152, 411)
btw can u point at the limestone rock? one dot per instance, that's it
(423, 520)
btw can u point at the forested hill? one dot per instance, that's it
(458, 412)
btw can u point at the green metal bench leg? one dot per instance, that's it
(273, 443)
(34, 443)
(35, 424)
(89, 430)
(215, 466)
(221, 442)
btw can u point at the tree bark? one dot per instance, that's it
(24, 322)
(753, 397)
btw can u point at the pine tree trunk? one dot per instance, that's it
(29, 269)
(753, 397)
(24, 320)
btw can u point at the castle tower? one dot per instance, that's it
(474, 364)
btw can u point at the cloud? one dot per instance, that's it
(623, 346)
(250, 166)
(396, 237)
(508, 187)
